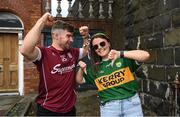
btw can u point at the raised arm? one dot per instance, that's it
(29, 49)
(138, 55)
(79, 74)
(84, 32)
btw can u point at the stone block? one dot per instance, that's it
(155, 88)
(131, 6)
(152, 10)
(155, 41)
(147, 2)
(153, 56)
(128, 20)
(139, 15)
(171, 38)
(129, 32)
(176, 18)
(157, 105)
(172, 4)
(171, 72)
(165, 56)
(130, 43)
(156, 73)
(137, 29)
(162, 22)
(146, 27)
(177, 56)
(158, 89)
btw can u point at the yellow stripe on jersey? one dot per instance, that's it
(116, 78)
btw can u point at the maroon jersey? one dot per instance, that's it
(57, 78)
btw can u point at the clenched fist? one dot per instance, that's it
(84, 32)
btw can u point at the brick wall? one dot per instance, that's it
(28, 11)
(152, 25)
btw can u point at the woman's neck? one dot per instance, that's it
(105, 58)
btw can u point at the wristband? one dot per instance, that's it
(121, 54)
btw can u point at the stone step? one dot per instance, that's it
(7, 102)
(20, 108)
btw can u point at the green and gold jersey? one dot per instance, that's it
(114, 82)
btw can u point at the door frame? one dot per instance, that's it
(19, 32)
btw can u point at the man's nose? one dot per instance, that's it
(71, 39)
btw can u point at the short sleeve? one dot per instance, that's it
(89, 77)
(80, 53)
(40, 55)
(133, 65)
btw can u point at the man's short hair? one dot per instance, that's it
(62, 25)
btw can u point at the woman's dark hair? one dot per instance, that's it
(96, 59)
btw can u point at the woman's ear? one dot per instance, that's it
(109, 45)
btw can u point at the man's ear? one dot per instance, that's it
(54, 35)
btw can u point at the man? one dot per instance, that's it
(56, 65)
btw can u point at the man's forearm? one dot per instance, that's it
(79, 76)
(33, 37)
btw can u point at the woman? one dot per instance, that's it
(112, 73)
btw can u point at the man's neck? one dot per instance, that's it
(57, 47)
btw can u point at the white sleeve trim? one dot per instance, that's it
(137, 62)
(38, 58)
(84, 81)
(80, 53)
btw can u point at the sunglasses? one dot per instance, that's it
(102, 44)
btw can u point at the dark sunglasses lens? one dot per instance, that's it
(95, 47)
(102, 44)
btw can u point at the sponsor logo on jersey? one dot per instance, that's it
(116, 78)
(60, 70)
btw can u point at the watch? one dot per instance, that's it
(121, 54)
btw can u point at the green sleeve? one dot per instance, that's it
(132, 64)
(89, 77)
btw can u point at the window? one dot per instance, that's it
(9, 20)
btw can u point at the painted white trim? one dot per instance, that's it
(20, 67)
(9, 31)
(11, 28)
(2, 94)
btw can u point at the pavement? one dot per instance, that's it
(7, 102)
(87, 104)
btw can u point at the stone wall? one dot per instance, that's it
(152, 25)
